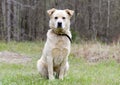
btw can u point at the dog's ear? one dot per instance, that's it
(69, 12)
(51, 11)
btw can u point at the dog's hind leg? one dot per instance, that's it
(42, 69)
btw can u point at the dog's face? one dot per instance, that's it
(60, 18)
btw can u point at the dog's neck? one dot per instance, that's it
(62, 33)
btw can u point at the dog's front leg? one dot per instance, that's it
(62, 69)
(50, 67)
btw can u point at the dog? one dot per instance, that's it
(54, 59)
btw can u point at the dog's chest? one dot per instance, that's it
(59, 52)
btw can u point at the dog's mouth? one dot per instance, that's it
(59, 24)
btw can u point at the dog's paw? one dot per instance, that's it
(51, 78)
(61, 77)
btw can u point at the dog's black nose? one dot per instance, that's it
(59, 24)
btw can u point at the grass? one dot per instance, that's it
(81, 72)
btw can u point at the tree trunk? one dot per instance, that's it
(4, 16)
(108, 17)
(90, 14)
(8, 20)
(108, 20)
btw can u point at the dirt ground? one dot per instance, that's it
(11, 57)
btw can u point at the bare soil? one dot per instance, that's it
(12, 57)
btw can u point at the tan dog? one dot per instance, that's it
(57, 47)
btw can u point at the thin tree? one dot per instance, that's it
(8, 20)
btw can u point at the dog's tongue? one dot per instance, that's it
(59, 31)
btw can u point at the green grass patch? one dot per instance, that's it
(106, 72)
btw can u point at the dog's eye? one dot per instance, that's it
(56, 17)
(63, 17)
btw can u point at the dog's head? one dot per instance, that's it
(60, 18)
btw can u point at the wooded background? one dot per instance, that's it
(22, 20)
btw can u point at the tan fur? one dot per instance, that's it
(57, 48)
